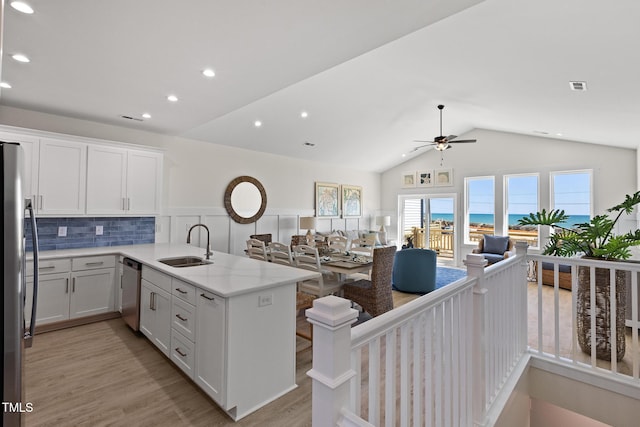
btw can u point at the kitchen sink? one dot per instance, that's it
(185, 261)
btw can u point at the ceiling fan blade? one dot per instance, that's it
(450, 137)
(462, 140)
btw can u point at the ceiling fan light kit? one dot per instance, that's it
(442, 142)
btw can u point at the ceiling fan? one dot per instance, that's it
(441, 142)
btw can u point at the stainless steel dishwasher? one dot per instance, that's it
(131, 275)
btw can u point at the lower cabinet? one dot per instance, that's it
(155, 315)
(72, 288)
(211, 345)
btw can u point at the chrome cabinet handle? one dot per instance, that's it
(73, 285)
(181, 291)
(41, 197)
(94, 263)
(180, 352)
(46, 267)
(181, 318)
(66, 291)
(206, 297)
(152, 301)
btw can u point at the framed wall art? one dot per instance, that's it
(327, 200)
(351, 201)
(443, 177)
(425, 178)
(408, 179)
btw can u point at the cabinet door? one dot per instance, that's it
(92, 292)
(53, 299)
(155, 315)
(211, 345)
(30, 146)
(106, 180)
(62, 178)
(144, 182)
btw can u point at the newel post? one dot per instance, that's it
(475, 268)
(331, 372)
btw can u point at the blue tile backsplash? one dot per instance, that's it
(81, 232)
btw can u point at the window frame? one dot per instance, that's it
(467, 180)
(505, 201)
(553, 174)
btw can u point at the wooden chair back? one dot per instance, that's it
(279, 253)
(256, 249)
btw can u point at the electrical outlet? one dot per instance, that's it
(99, 230)
(62, 231)
(264, 300)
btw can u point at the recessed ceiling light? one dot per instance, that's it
(558, 134)
(209, 72)
(20, 58)
(146, 115)
(404, 155)
(257, 123)
(172, 98)
(304, 114)
(21, 6)
(5, 85)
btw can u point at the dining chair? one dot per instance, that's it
(279, 253)
(256, 249)
(266, 238)
(374, 296)
(327, 283)
(363, 246)
(337, 243)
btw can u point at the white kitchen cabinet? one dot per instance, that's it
(62, 177)
(92, 292)
(53, 298)
(106, 180)
(123, 181)
(144, 182)
(211, 345)
(155, 315)
(71, 288)
(30, 146)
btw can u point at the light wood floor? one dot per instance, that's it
(103, 374)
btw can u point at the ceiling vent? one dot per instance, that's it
(579, 86)
(132, 118)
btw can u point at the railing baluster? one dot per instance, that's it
(374, 381)
(634, 323)
(405, 385)
(613, 321)
(417, 370)
(390, 379)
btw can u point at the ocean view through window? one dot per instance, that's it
(479, 208)
(521, 199)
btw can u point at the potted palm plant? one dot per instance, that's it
(595, 240)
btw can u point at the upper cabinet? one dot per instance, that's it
(62, 177)
(77, 177)
(30, 147)
(122, 181)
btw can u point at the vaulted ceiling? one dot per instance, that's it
(368, 73)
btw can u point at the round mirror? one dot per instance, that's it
(245, 199)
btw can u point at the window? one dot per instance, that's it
(521, 199)
(479, 208)
(571, 191)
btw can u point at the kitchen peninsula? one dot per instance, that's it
(229, 325)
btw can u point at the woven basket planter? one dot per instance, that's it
(602, 312)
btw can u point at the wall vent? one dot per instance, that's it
(132, 118)
(579, 86)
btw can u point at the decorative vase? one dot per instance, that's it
(603, 313)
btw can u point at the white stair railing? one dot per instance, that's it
(439, 360)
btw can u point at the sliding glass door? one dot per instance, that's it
(428, 221)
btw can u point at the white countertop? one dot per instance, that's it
(229, 275)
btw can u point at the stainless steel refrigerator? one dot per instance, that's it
(15, 211)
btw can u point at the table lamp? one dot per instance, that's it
(383, 221)
(308, 222)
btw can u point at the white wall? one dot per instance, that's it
(196, 174)
(501, 153)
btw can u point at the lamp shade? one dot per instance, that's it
(383, 220)
(308, 222)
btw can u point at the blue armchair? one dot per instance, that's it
(414, 271)
(494, 248)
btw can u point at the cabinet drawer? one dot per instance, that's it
(50, 266)
(159, 279)
(182, 353)
(183, 318)
(184, 291)
(93, 262)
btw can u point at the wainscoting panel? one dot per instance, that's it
(219, 227)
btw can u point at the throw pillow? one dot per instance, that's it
(496, 244)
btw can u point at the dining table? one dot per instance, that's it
(344, 265)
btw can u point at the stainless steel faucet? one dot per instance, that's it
(209, 253)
